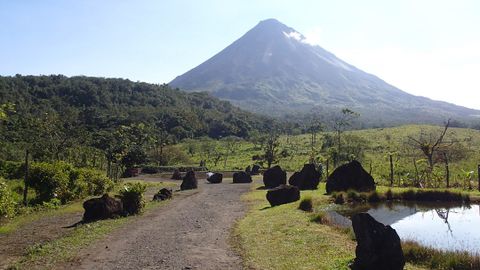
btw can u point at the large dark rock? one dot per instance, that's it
(283, 194)
(255, 170)
(307, 178)
(378, 246)
(102, 208)
(177, 175)
(215, 178)
(274, 177)
(248, 170)
(241, 177)
(163, 194)
(189, 181)
(350, 176)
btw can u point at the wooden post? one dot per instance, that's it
(479, 177)
(391, 170)
(25, 180)
(447, 170)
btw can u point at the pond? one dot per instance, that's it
(441, 226)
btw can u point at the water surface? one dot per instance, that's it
(442, 226)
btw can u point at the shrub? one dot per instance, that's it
(62, 181)
(51, 180)
(438, 259)
(94, 182)
(7, 203)
(11, 169)
(132, 198)
(306, 204)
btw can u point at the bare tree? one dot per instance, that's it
(432, 145)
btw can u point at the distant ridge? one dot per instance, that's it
(272, 69)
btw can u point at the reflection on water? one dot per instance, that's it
(447, 227)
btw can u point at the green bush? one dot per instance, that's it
(132, 198)
(11, 169)
(62, 181)
(51, 180)
(7, 203)
(94, 182)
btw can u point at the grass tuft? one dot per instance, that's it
(306, 204)
(437, 259)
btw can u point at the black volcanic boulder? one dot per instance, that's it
(307, 178)
(248, 170)
(177, 175)
(350, 176)
(215, 178)
(241, 177)
(102, 208)
(274, 177)
(189, 181)
(255, 170)
(163, 194)
(378, 246)
(283, 194)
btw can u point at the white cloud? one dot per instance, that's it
(313, 36)
(295, 35)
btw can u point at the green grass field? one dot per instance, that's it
(378, 144)
(285, 237)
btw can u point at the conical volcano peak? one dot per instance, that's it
(271, 26)
(275, 69)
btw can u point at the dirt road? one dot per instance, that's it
(191, 232)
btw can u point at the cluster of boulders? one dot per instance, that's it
(275, 179)
(307, 178)
(104, 207)
(107, 207)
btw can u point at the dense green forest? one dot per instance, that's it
(53, 115)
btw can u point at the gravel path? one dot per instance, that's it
(191, 232)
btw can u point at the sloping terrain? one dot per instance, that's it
(273, 70)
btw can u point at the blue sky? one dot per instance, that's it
(429, 48)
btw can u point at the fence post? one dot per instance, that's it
(478, 177)
(391, 170)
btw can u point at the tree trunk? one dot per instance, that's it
(391, 170)
(25, 182)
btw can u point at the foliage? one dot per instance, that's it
(132, 198)
(437, 259)
(11, 169)
(7, 203)
(94, 181)
(62, 181)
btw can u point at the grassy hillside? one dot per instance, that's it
(376, 145)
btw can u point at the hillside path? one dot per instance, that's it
(191, 232)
